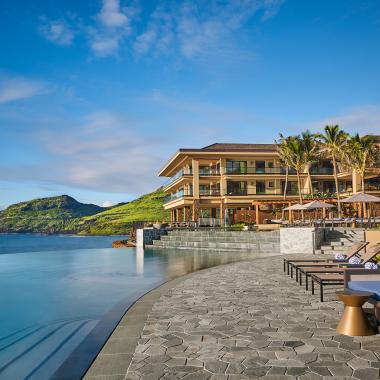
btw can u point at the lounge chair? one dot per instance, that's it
(337, 277)
(296, 264)
(354, 250)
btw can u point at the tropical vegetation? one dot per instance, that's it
(63, 214)
(353, 153)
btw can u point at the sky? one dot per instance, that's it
(96, 95)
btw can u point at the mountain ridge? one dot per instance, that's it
(64, 214)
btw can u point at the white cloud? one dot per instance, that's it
(12, 89)
(114, 26)
(111, 14)
(107, 203)
(201, 28)
(58, 32)
(105, 46)
(362, 119)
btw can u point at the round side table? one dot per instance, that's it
(354, 322)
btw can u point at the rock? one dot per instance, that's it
(122, 244)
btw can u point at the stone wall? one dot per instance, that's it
(145, 236)
(302, 240)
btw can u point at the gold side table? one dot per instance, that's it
(354, 321)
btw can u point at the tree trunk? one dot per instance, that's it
(299, 187)
(363, 181)
(336, 185)
(309, 179)
(286, 181)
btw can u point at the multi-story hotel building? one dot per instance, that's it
(238, 181)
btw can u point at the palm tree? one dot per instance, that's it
(284, 153)
(360, 154)
(310, 147)
(297, 160)
(332, 143)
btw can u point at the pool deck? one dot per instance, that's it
(244, 320)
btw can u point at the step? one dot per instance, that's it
(192, 244)
(220, 239)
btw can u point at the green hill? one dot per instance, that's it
(45, 215)
(64, 214)
(119, 219)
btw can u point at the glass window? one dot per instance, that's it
(260, 166)
(260, 187)
(236, 167)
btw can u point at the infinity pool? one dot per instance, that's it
(52, 300)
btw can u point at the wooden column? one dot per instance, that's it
(180, 215)
(257, 212)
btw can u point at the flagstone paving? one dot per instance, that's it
(249, 320)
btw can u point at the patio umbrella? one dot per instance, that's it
(362, 198)
(317, 204)
(314, 205)
(296, 207)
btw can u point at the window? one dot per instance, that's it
(260, 166)
(271, 164)
(260, 187)
(204, 189)
(271, 184)
(237, 188)
(236, 167)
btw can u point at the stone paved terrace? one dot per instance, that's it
(248, 320)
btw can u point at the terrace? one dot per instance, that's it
(215, 323)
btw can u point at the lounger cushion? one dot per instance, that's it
(366, 286)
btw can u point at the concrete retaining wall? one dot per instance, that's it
(303, 240)
(145, 236)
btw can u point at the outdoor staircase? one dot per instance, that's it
(340, 240)
(219, 240)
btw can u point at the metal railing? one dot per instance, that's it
(209, 193)
(179, 174)
(178, 195)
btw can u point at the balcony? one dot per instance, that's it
(316, 171)
(178, 195)
(245, 193)
(209, 172)
(180, 174)
(255, 170)
(209, 193)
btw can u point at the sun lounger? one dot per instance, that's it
(338, 278)
(325, 279)
(354, 250)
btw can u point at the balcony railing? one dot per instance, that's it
(314, 171)
(178, 195)
(211, 172)
(264, 192)
(275, 170)
(254, 170)
(180, 174)
(209, 193)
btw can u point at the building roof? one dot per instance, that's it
(228, 147)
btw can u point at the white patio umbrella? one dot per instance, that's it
(362, 198)
(317, 204)
(296, 207)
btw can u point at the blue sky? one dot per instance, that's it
(96, 95)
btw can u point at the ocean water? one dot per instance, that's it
(54, 290)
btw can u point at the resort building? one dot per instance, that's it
(246, 182)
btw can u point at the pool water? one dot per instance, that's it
(52, 299)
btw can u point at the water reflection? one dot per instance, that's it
(180, 262)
